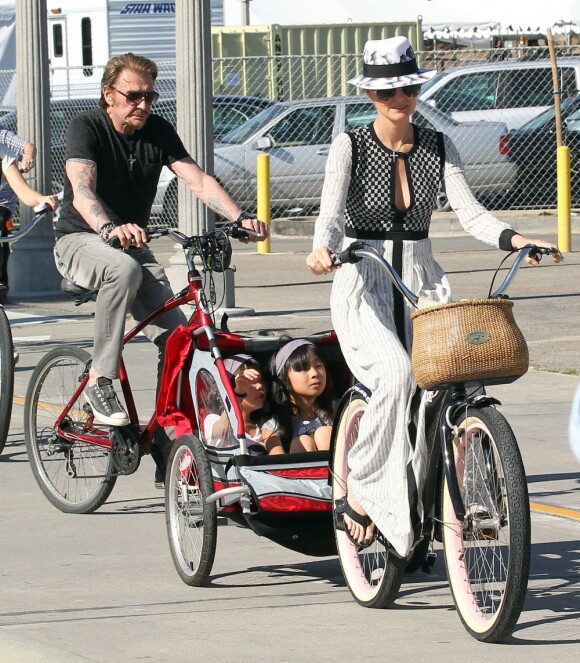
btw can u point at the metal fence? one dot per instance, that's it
(507, 168)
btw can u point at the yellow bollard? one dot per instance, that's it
(563, 180)
(263, 193)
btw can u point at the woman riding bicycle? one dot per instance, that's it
(381, 186)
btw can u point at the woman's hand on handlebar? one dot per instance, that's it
(129, 234)
(518, 242)
(320, 261)
(50, 201)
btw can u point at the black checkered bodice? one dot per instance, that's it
(370, 209)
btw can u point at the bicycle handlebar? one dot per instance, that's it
(213, 247)
(40, 212)
(358, 250)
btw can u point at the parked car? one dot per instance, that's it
(297, 136)
(229, 111)
(532, 148)
(507, 91)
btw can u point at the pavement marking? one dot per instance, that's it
(536, 507)
(22, 319)
(562, 339)
(30, 339)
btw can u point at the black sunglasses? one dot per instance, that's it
(135, 98)
(410, 91)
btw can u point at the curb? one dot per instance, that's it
(443, 224)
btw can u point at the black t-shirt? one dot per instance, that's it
(128, 167)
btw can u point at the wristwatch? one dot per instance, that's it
(245, 215)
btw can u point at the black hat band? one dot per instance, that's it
(390, 70)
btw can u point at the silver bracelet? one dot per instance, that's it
(106, 229)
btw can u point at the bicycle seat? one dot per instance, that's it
(79, 294)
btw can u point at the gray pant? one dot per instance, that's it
(131, 281)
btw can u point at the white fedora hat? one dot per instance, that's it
(390, 63)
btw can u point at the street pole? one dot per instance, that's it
(194, 104)
(194, 94)
(32, 267)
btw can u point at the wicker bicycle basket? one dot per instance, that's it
(475, 340)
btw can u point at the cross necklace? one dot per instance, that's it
(130, 142)
(394, 153)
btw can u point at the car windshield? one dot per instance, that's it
(434, 115)
(242, 133)
(435, 79)
(548, 115)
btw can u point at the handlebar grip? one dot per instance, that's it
(238, 232)
(115, 242)
(348, 255)
(536, 252)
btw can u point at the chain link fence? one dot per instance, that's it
(506, 166)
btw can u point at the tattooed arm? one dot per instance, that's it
(82, 174)
(209, 191)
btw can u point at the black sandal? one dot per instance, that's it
(343, 508)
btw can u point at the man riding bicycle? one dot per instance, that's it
(114, 157)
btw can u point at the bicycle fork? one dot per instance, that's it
(448, 430)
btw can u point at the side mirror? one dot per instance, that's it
(263, 143)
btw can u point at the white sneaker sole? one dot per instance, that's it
(108, 421)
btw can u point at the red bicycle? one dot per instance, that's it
(76, 460)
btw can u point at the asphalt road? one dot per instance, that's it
(102, 587)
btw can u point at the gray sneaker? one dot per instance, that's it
(105, 404)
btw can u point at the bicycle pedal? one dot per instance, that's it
(429, 562)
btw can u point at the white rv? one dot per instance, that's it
(82, 36)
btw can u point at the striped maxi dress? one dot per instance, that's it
(372, 320)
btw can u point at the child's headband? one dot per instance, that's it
(285, 351)
(232, 363)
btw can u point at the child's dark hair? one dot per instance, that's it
(300, 359)
(258, 417)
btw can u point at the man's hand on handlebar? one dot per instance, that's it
(320, 261)
(256, 230)
(129, 234)
(533, 258)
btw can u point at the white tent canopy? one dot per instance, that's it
(440, 17)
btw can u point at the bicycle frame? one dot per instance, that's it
(199, 324)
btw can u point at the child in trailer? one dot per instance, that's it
(251, 389)
(301, 394)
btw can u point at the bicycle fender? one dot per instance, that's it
(483, 400)
(358, 389)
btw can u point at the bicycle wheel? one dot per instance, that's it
(488, 555)
(75, 476)
(191, 521)
(6, 377)
(373, 574)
